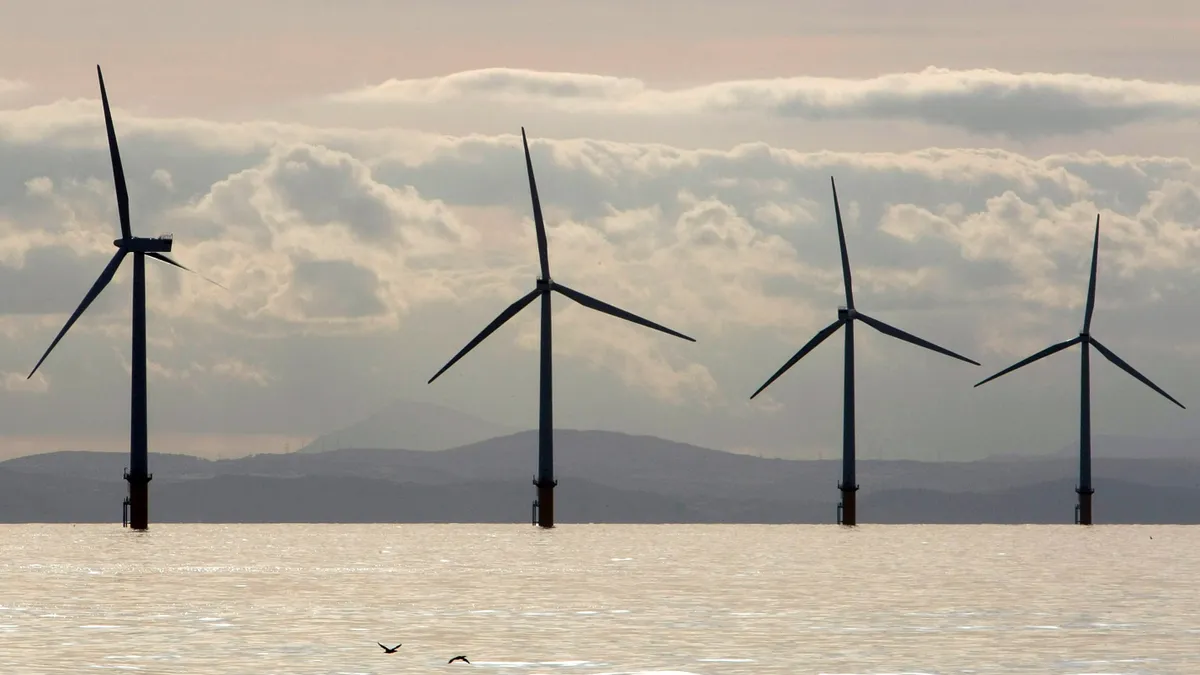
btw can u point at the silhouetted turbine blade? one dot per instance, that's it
(812, 344)
(491, 328)
(599, 306)
(1091, 298)
(169, 261)
(1130, 369)
(1042, 354)
(837, 210)
(909, 337)
(105, 277)
(118, 172)
(543, 254)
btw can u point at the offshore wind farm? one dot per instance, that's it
(336, 491)
(135, 505)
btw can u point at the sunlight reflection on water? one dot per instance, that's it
(587, 599)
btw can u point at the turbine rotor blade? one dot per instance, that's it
(102, 281)
(812, 344)
(600, 306)
(1091, 297)
(543, 254)
(159, 256)
(118, 171)
(1118, 362)
(1052, 349)
(837, 210)
(909, 337)
(491, 328)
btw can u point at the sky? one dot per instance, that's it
(353, 175)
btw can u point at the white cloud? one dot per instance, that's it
(1019, 105)
(358, 261)
(21, 382)
(40, 186)
(237, 369)
(10, 86)
(785, 215)
(307, 235)
(163, 178)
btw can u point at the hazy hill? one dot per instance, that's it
(1132, 447)
(604, 477)
(412, 425)
(1128, 447)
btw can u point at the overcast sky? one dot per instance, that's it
(352, 173)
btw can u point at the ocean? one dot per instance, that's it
(584, 599)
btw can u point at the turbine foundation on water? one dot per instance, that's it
(139, 500)
(847, 508)
(1083, 510)
(545, 503)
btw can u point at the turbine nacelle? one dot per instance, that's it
(846, 313)
(161, 244)
(544, 284)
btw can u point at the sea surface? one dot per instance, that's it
(582, 599)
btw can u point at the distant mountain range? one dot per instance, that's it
(604, 477)
(416, 425)
(1133, 447)
(1106, 446)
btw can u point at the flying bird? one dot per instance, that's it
(387, 650)
(458, 658)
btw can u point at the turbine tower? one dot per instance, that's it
(138, 475)
(545, 481)
(846, 317)
(1083, 510)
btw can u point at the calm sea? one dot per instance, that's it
(703, 599)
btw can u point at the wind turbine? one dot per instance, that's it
(846, 317)
(138, 475)
(545, 481)
(1083, 510)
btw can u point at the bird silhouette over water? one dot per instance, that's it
(458, 658)
(386, 650)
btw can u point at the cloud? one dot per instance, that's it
(236, 369)
(983, 101)
(1033, 239)
(11, 86)
(358, 261)
(307, 235)
(19, 382)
